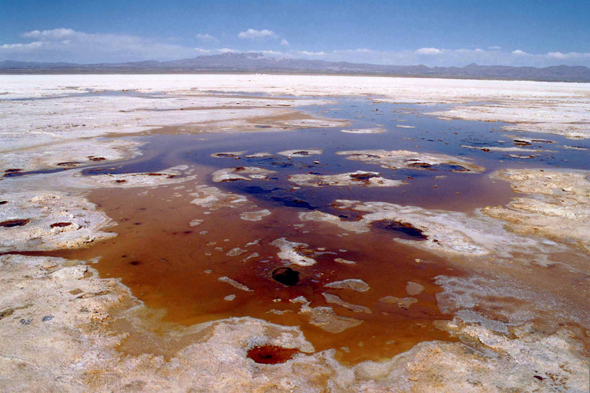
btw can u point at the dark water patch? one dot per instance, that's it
(258, 190)
(14, 223)
(363, 176)
(61, 224)
(400, 229)
(286, 276)
(294, 202)
(271, 354)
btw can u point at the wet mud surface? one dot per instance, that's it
(201, 264)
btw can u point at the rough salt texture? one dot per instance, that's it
(69, 305)
(241, 173)
(405, 302)
(521, 102)
(364, 131)
(255, 216)
(333, 299)
(507, 149)
(228, 154)
(291, 251)
(401, 159)
(358, 178)
(213, 198)
(353, 284)
(300, 152)
(447, 233)
(69, 154)
(49, 220)
(557, 206)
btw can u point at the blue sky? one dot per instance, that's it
(431, 32)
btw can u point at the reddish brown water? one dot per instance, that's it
(175, 267)
(165, 263)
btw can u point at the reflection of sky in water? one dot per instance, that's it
(456, 191)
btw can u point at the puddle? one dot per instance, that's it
(271, 354)
(13, 223)
(399, 229)
(199, 264)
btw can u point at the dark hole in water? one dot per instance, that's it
(351, 217)
(13, 223)
(398, 227)
(135, 263)
(520, 142)
(422, 165)
(281, 164)
(121, 181)
(61, 224)
(301, 153)
(286, 276)
(257, 190)
(271, 354)
(363, 176)
(3, 202)
(293, 202)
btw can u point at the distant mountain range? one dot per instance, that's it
(258, 63)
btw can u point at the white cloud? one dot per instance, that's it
(306, 53)
(456, 57)
(206, 38)
(256, 34)
(50, 34)
(429, 51)
(22, 47)
(284, 42)
(556, 55)
(519, 52)
(68, 45)
(272, 53)
(358, 50)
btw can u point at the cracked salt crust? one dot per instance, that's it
(358, 178)
(400, 159)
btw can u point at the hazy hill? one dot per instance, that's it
(257, 62)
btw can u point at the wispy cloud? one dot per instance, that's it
(253, 34)
(428, 51)
(307, 53)
(64, 44)
(206, 38)
(50, 34)
(22, 47)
